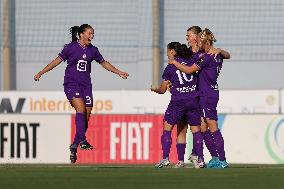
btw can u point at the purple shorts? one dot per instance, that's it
(179, 109)
(208, 106)
(76, 91)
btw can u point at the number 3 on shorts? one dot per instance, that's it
(88, 100)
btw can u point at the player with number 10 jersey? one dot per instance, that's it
(183, 88)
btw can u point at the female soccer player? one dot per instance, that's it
(208, 67)
(183, 88)
(193, 37)
(77, 81)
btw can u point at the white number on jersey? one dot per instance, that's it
(182, 76)
(82, 65)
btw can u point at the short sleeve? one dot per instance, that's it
(98, 57)
(220, 58)
(201, 62)
(166, 74)
(64, 54)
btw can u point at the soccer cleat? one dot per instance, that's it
(84, 145)
(73, 155)
(201, 163)
(223, 164)
(180, 164)
(163, 163)
(194, 160)
(214, 162)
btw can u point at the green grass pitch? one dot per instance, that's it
(139, 176)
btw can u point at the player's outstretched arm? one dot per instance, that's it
(108, 66)
(184, 68)
(47, 68)
(162, 89)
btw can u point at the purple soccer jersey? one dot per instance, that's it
(79, 60)
(77, 80)
(183, 85)
(210, 67)
(184, 100)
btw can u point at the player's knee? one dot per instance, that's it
(203, 128)
(213, 128)
(195, 129)
(181, 139)
(167, 126)
(181, 128)
(81, 110)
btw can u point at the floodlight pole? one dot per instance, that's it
(9, 45)
(157, 41)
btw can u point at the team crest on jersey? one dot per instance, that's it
(200, 59)
(84, 56)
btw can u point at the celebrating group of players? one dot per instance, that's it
(192, 75)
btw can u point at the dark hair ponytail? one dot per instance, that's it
(74, 32)
(184, 51)
(77, 30)
(181, 49)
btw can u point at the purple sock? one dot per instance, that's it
(198, 144)
(166, 141)
(180, 151)
(219, 143)
(86, 124)
(80, 121)
(209, 142)
(193, 151)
